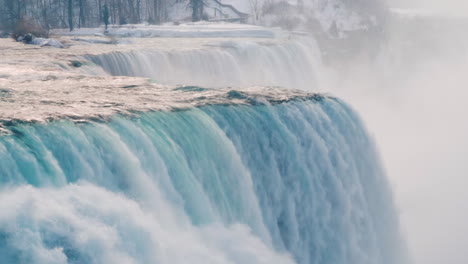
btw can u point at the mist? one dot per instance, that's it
(412, 96)
(458, 7)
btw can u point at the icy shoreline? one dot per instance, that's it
(42, 84)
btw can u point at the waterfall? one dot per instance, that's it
(295, 182)
(293, 64)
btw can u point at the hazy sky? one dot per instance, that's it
(444, 6)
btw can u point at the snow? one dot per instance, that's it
(185, 30)
(47, 42)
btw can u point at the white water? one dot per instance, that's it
(293, 64)
(88, 224)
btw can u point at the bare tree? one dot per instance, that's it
(85, 13)
(255, 10)
(197, 9)
(70, 15)
(105, 16)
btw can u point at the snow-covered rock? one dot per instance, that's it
(31, 39)
(47, 42)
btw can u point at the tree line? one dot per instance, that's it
(89, 13)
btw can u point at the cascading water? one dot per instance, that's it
(296, 182)
(293, 64)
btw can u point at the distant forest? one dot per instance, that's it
(72, 14)
(330, 17)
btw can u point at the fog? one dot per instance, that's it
(413, 97)
(459, 7)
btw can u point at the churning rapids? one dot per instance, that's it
(101, 168)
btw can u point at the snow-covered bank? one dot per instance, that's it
(38, 84)
(74, 82)
(187, 30)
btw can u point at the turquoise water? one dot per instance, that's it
(298, 182)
